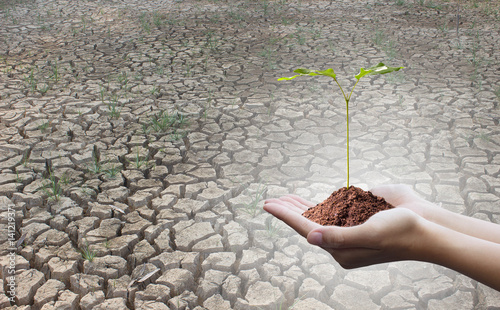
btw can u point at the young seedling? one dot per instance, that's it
(87, 252)
(52, 188)
(252, 208)
(375, 70)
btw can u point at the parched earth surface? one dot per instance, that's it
(138, 140)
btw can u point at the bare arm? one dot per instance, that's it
(474, 257)
(404, 197)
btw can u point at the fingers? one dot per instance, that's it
(286, 204)
(394, 194)
(293, 201)
(292, 216)
(334, 237)
(296, 200)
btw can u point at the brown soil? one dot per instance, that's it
(347, 207)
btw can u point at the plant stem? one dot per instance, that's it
(347, 122)
(347, 99)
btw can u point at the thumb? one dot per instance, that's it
(339, 237)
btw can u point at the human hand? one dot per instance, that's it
(387, 236)
(403, 196)
(448, 239)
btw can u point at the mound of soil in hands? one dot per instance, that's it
(347, 207)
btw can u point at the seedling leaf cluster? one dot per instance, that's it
(375, 70)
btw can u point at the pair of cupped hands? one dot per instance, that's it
(390, 235)
(414, 230)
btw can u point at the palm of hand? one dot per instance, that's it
(386, 236)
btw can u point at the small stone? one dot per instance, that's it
(92, 299)
(140, 199)
(163, 202)
(106, 267)
(324, 273)
(296, 273)
(122, 246)
(375, 282)
(491, 296)
(211, 283)
(177, 279)
(59, 222)
(113, 303)
(399, 299)
(33, 230)
(187, 237)
(156, 292)
(73, 214)
(168, 260)
(310, 259)
(261, 295)
(48, 292)
(62, 269)
(267, 271)
(253, 258)
(312, 288)
(459, 300)
(293, 251)
(249, 277)
(190, 206)
(82, 284)
(28, 282)
(4, 300)
(209, 245)
(162, 241)
(216, 302)
(286, 284)
(223, 261)
(135, 225)
(283, 261)
(213, 195)
(311, 304)
(235, 236)
(150, 305)
(119, 194)
(346, 297)
(107, 230)
(186, 300)
(78, 229)
(118, 287)
(31, 200)
(66, 300)
(414, 270)
(142, 252)
(101, 211)
(231, 288)
(437, 288)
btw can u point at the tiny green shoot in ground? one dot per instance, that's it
(375, 70)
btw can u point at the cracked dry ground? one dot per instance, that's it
(138, 139)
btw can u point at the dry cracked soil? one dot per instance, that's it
(139, 138)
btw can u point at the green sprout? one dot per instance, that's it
(375, 70)
(52, 188)
(87, 253)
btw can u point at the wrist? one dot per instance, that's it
(423, 237)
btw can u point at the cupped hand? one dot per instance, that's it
(403, 196)
(387, 236)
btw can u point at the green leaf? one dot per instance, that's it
(303, 72)
(378, 69)
(288, 78)
(328, 72)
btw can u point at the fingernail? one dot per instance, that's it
(315, 238)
